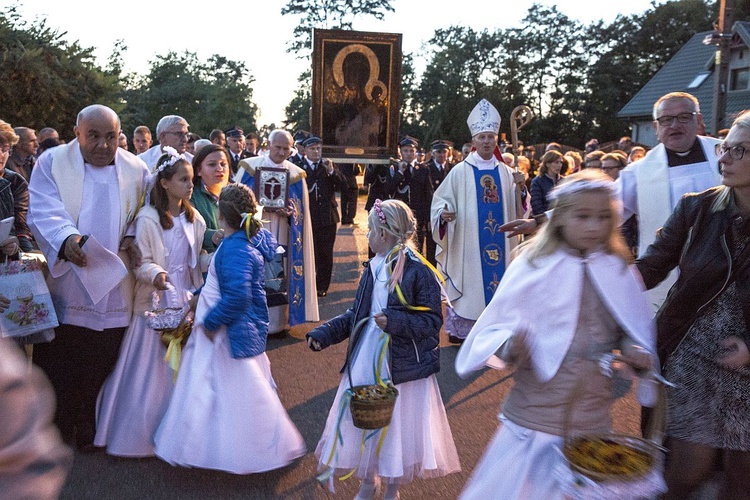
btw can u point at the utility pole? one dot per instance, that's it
(722, 38)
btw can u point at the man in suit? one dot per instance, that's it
(323, 180)
(236, 146)
(438, 168)
(414, 187)
(298, 158)
(349, 192)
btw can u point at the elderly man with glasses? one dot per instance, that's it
(172, 130)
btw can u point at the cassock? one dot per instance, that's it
(295, 234)
(467, 242)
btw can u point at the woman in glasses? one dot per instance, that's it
(703, 335)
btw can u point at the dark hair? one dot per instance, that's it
(201, 155)
(49, 143)
(236, 199)
(159, 198)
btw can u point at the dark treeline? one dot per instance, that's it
(575, 77)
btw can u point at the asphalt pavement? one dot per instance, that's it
(307, 383)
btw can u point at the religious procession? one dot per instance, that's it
(147, 295)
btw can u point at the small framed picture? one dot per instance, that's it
(271, 185)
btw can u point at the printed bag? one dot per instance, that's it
(31, 310)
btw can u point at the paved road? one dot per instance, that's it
(307, 383)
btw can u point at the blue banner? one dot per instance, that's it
(491, 240)
(295, 272)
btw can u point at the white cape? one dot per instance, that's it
(550, 332)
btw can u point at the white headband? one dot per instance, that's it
(568, 188)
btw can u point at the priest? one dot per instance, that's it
(88, 189)
(476, 197)
(293, 230)
(682, 162)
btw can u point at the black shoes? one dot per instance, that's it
(322, 293)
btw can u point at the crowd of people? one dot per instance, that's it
(240, 240)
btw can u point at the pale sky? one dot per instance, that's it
(253, 31)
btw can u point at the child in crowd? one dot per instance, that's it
(225, 413)
(169, 234)
(590, 302)
(401, 297)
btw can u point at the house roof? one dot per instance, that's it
(682, 69)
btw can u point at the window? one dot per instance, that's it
(698, 80)
(739, 79)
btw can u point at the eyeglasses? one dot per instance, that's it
(735, 152)
(181, 135)
(668, 120)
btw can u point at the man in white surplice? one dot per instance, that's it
(86, 187)
(477, 196)
(683, 162)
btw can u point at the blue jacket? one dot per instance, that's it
(242, 307)
(541, 185)
(415, 343)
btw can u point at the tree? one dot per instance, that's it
(461, 69)
(298, 110)
(215, 93)
(328, 14)
(47, 81)
(630, 50)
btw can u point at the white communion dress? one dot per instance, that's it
(418, 441)
(135, 396)
(225, 413)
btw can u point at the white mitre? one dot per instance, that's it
(484, 118)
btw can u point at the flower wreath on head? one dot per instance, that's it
(171, 160)
(379, 210)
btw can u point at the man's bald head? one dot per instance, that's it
(98, 131)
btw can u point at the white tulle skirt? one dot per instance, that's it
(418, 441)
(135, 396)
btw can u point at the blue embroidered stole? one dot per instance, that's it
(491, 241)
(295, 272)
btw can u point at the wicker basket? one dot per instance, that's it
(182, 332)
(165, 318)
(372, 405)
(611, 457)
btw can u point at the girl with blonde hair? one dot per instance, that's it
(399, 300)
(591, 303)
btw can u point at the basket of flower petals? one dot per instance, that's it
(611, 456)
(372, 405)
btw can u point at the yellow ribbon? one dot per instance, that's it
(174, 355)
(399, 293)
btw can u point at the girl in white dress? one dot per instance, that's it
(169, 233)
(225, 413)
(399, 297)
(587, 302)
